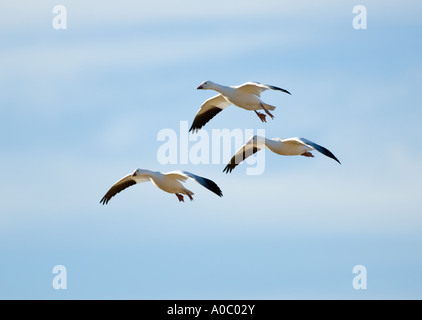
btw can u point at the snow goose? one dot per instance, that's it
(284, 147)
(169, 182)
(246, 96)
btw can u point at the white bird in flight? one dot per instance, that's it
(284, 147)
(169, 182)
(246, 96)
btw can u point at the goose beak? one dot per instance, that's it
(200, 87)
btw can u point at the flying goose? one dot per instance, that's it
(246, 96)
(284, 147)
(169, 182)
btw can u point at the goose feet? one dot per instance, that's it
(307, 154)
(266, 111)
(261, 116)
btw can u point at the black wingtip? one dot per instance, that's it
(219, 192)
(228, 169)
(285, 91)
(280, 89)
(212, 186)
(329, 154)
(193, 130)
(321, 149)
(335, 158)
(203, 118)
(215, 188)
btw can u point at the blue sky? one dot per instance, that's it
(82, 107)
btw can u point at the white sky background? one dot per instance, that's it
(82, 107)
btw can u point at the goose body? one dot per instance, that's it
(285, 147)
(245, 96)
(170, 182)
